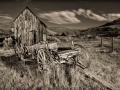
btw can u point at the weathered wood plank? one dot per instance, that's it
(23, 26)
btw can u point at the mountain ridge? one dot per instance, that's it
(110, 28)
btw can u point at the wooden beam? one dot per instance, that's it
(112, 44)
(101, 41)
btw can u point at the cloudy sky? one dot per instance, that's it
(79, 14)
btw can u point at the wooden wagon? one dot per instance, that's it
(75, 54)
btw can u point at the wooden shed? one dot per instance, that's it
(28, 28)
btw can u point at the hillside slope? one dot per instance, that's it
(110, 27)
(60, 30)
(5, 29)
(114, 24)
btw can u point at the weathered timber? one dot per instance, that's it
(112, 44)
(29, 28)
(67, 53)
(42, 46)
(101, 41)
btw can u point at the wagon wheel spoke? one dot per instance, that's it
(17, 51)
(82, 58)
(41, 56)
(48, 55)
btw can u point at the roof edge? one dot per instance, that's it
(32, 13)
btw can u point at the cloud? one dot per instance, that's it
(5, 18)
(37, 9)
(69, 17)
(89, 14)
(112, 16)
(61, 17)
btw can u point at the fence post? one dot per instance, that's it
(112, 44)
(101, 41)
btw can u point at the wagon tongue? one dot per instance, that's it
(80, 65)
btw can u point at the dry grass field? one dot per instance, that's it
(15, 75)
(104, 63)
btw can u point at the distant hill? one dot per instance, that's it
(60, 30)
(108, 28)
(6, 25)
(50, 32)
(5, 29)
(114, 24)
(5, 33)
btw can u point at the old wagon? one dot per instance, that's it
(75, 54)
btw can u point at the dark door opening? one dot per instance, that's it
(34, 38)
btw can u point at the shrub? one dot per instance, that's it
(7, 43)
(52, 39)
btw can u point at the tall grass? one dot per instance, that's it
(103, 63)
(15, 75)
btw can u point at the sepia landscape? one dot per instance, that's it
(59, 45)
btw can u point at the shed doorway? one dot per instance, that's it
(34, 37)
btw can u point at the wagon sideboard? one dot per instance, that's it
(67, 53)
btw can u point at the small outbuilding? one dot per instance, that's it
(28, 28)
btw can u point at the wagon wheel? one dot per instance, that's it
(82, 57)
(41, 59)
(41, 56)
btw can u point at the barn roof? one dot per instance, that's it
(32, 13)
